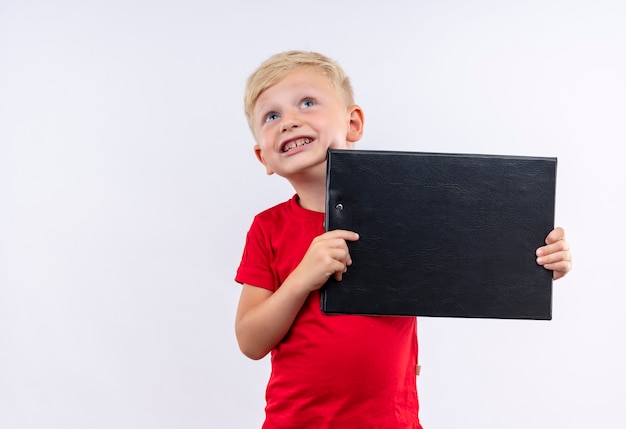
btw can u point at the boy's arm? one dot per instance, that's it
(556, 254)
(264, 317)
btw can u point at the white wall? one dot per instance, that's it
(128, 182)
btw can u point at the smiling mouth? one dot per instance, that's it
(295, 143)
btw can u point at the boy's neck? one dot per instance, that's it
(311, 193)
(312, 201)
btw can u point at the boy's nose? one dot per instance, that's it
(289, 122)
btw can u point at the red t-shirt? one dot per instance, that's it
(330, 371)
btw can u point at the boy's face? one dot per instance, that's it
(298, 119)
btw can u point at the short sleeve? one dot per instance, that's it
(255, 267)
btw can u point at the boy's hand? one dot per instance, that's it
(327, 255)
(555, 255)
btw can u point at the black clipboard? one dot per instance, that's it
(447, 235)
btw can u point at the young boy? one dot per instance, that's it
(343, 371)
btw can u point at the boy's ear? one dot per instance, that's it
(259, 156)
(355, 126)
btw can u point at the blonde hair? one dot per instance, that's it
(276, 67)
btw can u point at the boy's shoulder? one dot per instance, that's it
(278, 210)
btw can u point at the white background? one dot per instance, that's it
(128, 182)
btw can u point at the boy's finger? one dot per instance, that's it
(343, 234)
(555, 235)
(563, 255)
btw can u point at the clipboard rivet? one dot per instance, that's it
(339, 206)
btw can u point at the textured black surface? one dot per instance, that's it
(451, 235)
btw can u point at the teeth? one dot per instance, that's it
(296, 143)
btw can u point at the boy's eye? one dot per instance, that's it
(307, 102)
(271, 117)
